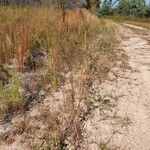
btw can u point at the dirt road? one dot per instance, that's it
(128, 126)
(137, 47)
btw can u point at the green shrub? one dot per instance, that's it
(131, 7)
(11, 96)
(147, 12)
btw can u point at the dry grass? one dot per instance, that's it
(78, 44)
(23, 29)
(79, 40)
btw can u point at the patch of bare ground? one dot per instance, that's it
(143, 32)
(125, 126)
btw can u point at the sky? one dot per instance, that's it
(148, 2)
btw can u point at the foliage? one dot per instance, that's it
(147, 11)
(131, 7)
(11, 96)
(106, 8)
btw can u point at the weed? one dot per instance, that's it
(11, 96)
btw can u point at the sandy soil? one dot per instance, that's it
(128, 126)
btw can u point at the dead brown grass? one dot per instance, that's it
(78, 45)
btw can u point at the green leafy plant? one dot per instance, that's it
(11, 96)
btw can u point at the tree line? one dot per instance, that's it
(136, 8)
